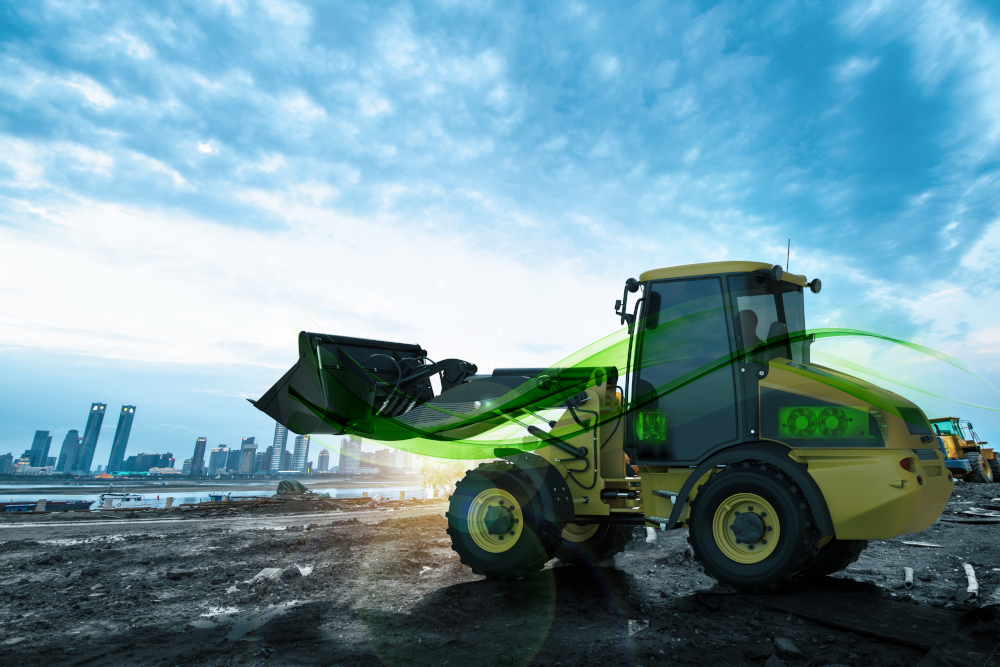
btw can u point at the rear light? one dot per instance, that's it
(905, 464)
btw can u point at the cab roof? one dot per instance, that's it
(715, 268)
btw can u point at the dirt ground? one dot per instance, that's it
(366, 585)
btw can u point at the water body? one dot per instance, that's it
(160, 499)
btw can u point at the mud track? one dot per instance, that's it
(366, 586)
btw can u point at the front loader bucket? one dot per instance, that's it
(359, 378)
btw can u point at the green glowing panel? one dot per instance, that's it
(651, 426)
(834, 422)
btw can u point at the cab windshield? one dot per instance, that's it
(945, 428)
(767, 314)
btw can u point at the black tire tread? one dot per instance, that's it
(995, 467)
(843, 553)
(975, 459)
(614, 543)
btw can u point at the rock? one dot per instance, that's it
(774, 661)
(267, 574)
(179, 574)
(760, 651)
(786, 648)
(635, 626)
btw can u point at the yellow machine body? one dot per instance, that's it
(867, 491)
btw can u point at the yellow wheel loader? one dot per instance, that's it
(964, 452)
(717, 422)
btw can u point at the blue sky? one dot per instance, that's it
(185, 186)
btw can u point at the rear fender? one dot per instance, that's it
(549, 484)
(772, 454)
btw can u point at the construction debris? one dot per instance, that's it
(970, 573)
(907, 577)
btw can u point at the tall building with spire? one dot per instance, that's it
(121, 438)
(85, 456)
(278, 451)
(198, 460)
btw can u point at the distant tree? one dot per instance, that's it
(442, 477)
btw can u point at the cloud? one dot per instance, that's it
(854, 68)
(262, 168)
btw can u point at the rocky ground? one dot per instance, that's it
(336, 582)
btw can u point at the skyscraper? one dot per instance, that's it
(217, 459)
(233, 461)
(39, 452)
(350, 456)
(121, 438)
(85, 454)
(186, 468)
(248, 455)
(323, 460)
(69, 445)
(301, 453)
(278, 453)
(198, 460)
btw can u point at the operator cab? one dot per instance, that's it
(704, 334)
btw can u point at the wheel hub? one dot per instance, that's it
(494, 520)
(748, 527)
(498, 519)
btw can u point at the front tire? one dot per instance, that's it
(981, 471)
(592, 543)
(750, 528)
(497, 525)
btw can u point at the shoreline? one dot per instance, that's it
(164, 487)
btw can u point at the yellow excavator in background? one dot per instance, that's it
(966, 456)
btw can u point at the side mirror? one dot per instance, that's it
(816, 285)
(971, 427)
(777, 272)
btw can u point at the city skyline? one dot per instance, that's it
(688, 134)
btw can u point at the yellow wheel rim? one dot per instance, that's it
(823, 541)
(749, 516)
(575, 533)
(985, 466)
(495, 520)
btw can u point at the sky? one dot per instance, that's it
(184, 186)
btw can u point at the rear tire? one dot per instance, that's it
(834, 556)
(995, 467)
(592, 543)
(981, 471)
(750, 528)
(498, 494)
